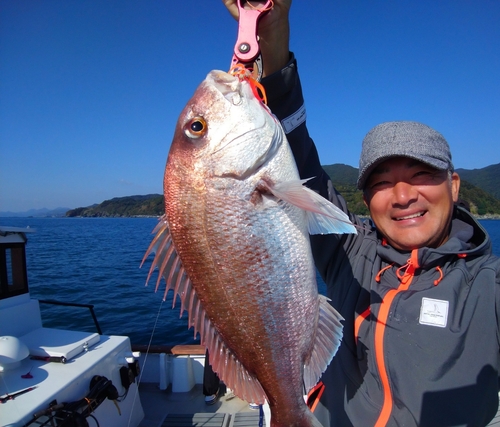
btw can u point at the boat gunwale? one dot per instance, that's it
(176, 350)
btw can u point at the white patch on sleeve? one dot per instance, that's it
(296, 119)
(434, 312)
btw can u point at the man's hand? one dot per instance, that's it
(273, 32)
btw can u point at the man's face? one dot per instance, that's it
(411, 203)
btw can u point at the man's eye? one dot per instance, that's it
(378, 185)
(423, 176)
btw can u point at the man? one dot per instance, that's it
(418, 286)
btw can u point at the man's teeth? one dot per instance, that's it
(411, 216)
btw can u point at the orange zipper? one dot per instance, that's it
(383, 315)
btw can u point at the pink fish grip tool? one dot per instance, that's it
(246, 49)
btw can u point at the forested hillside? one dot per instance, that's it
(148, 205)
(488, 178)
(479, 189)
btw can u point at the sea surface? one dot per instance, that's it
(96, 261)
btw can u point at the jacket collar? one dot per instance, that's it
(467, 238)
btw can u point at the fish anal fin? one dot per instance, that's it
(327, 342)
(230, 369)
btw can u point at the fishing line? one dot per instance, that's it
(146, 357)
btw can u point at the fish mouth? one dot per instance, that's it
(227, 84)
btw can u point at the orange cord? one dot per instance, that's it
(441, 275)
(261, 10)
(240, 71)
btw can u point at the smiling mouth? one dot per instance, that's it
(415, 215)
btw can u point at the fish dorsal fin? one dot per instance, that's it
(327, 341)
(169, 266)
(222, 359)
(323, 217)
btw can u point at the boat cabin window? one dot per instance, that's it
(13, 276)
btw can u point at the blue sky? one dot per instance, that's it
(90, 90)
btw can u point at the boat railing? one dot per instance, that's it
(74, 304)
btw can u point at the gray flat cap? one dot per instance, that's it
(406, 139)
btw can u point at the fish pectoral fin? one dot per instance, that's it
(327, 341)
(323, 217)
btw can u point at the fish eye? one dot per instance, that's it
(195, 128)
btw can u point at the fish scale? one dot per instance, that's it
(238, 218)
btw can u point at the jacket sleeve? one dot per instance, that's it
(284, 95)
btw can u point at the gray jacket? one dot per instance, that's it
(421, 330)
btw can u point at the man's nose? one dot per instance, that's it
(404, 193)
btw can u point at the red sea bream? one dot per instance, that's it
(234, 244)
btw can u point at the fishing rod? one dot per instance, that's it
(12, 396)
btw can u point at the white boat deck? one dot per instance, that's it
(188, 409)
(67, 382)
(171, 393)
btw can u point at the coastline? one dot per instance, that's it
(487, 216)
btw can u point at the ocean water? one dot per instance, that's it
(96, 261)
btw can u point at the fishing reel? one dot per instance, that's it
(75, 414)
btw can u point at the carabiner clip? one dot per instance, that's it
(246, 49)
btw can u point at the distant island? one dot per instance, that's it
(479, 190)
(131, 206)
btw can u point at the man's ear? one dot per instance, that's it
(365, 200)
(455, 186)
